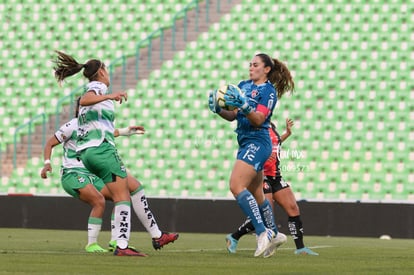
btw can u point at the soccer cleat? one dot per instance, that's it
(165, 238)
(264, 240)
(305, 251)
(231, 244)
(95, 248)
(112, 245)
(276, 242)
(129, 251)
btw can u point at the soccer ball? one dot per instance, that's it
(221, 102)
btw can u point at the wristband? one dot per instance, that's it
(217, 109)
(246, 109)
(124, 131)
(47, 161)
(128, 131)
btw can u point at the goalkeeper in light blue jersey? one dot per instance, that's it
(255, 100)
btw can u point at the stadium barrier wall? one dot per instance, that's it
(214, 216)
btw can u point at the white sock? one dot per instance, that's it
(144, 214)
(113, 232)
(94, 227)
(122, 223)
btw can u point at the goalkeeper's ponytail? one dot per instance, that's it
(279, 75)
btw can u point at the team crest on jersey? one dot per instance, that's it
(254, 93)
(81, 179)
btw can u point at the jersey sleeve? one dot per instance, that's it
(96, 87)
(266, 102)
(65, 131)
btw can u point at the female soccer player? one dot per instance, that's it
(269, 80)
(78, 182)
(276, 189)
(95, 140)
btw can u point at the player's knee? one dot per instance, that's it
(293, 209)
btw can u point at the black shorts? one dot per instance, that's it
(274, 184)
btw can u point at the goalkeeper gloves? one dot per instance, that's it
(212, 103)
(234, 98)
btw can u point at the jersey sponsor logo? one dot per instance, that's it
(283, 183)
(124, 225)
(270, 102)
(147, 211)
(254, 93)
(255, 209)
(81, 179)
(251, 152)
(292, 230)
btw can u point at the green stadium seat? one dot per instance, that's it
(333, 58)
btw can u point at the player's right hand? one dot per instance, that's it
(234, 98)
(212, 102)
(119, 96)
(289, 124)
(47, 168)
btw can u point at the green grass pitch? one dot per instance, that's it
(35, 251)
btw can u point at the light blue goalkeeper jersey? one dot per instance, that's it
(261, 98)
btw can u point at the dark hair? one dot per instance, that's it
(66, 66)
(273, 126)
(279, 75)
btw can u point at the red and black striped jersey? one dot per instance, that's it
(271, 166)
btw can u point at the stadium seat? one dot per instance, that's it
(345, 60)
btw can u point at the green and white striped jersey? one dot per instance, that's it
(66, 135)
(96, 122)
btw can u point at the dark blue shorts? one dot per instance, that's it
(255, 150)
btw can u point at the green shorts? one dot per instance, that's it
(104, 162)
(77, 178)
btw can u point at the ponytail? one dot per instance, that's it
(279, 75)
(67, 66)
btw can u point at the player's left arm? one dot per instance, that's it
(288, 131)
(47, 153)
(130, 130)
(258, 117)
(264, 108)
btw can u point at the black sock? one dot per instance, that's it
(296, 230)
(245, 228)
